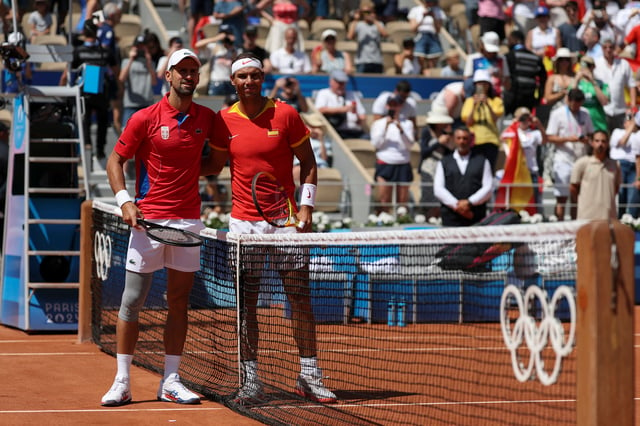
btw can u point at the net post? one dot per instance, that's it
(86, 255)
(605, 363)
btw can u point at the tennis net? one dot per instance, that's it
(435, 326)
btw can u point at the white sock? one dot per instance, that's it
(171, 364)
(309, 367)
(124, 365)
(250, 369)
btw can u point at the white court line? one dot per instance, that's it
(37, 341)
(110, 410)
(48, 353)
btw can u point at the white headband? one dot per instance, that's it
(245, 63)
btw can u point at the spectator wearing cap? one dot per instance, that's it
(138, 77)
(569, 129)
(342, 108)
(596, 93)
(452, 68)
(618, 75)
(289, 59)
(40, 20)
(326, 57)
(529, 75)
(531, 135)
(249, 46)
(488, 58)
(625, 145)
(221, 55)
(480, 113)
(598, 18)
(491, 16)
(368, 32)
(91, 52)
(568, 29)
(406, 62)
(175, 44)
(435, 142)
(392, 137)
(543, 39)
(595, 181)
(408, 105)
(426, 19)
(231, 13)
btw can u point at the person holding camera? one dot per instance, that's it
(624, 143)
(480, 113)
(341, 107)
(569, 129)
(392, 137)
(596, 93)
(426, 20)
(287, 90)
(368, 31)
(222, 52)
(138, 76)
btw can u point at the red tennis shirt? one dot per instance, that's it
(167, 146)
(261, 144)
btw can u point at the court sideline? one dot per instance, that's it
(50, 379)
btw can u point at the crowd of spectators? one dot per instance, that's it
(562, 69)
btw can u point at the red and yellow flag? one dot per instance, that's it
(515, 172)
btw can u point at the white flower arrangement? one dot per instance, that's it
(629, 220)
(214, 219)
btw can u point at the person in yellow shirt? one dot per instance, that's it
(480, 113)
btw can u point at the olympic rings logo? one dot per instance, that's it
(102, 254)
(536, 337)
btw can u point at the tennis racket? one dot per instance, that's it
(171, 236)
(272, 202)
(167, 234)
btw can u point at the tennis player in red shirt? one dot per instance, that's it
(258, 134)
(166, 140)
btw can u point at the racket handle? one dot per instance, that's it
(301, 224)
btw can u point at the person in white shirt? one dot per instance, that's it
(618, 75)
(343, 108)
(463, 183)
(569, 129)
(531, 135)
(289, 59)
(408, 104)
(624, 143)
(392, 137)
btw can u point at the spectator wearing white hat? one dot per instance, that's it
(480, 113)
(326, 57)
(488, 58)
(436, 142)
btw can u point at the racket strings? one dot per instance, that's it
(173, 235)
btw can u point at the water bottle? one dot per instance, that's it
(391, 313)
(402, 311)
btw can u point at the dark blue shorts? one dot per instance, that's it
(394, 172)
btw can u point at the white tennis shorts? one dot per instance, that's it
(146, 255)
(280, 258)
(561, 178)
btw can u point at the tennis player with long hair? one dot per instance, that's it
(258, 134)
(166, 140)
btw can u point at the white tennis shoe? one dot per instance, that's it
(119, 394)
(251, 392)
(172, 390)
(313, 389)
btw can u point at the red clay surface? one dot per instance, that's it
(50, 379)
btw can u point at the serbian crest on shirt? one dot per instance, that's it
(164, 132)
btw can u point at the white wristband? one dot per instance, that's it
(122, 197)
(308, 195)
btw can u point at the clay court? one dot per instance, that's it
(54, 380)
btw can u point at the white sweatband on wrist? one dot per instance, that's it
(122, 197)
(308, 197)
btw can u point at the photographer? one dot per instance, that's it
(138, 75)
(480, 113)
(222, 50)
(392, 136)
(287, 90)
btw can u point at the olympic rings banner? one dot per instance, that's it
(537, 336)
(102, 254)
